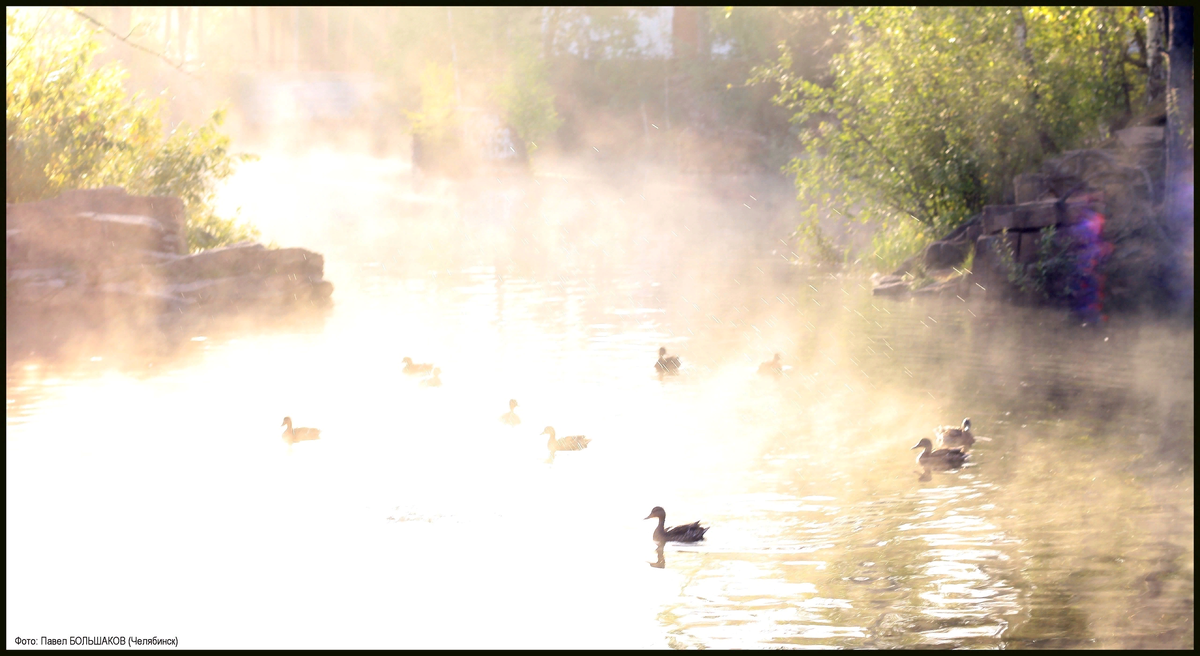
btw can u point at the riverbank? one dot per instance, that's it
(104, 255)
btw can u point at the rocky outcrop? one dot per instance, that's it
(246, 273)
(103, 244)
(931, 282)
(952, 250)
(1104, 206)
(95, 228)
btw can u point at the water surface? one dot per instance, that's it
(148, 491)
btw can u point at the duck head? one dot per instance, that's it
(925, 443)
(662, 350)
(966, 425)
(287, 421)
(777, 359)
(512, 404)
(407, 361)
(657, 512)
(548, 431)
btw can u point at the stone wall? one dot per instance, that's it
(95, 228)
(1110, 197)
(101, 244)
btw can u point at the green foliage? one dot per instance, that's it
(814, 241)
(69, 126)
(496, 54)
(1051, 274)
(437, 116)
(593, 32)
(527, 99)
(932, 110)
(1081, 70)
(892, 244)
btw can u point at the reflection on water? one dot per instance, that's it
(160, 499)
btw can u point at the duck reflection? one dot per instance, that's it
(661, 563)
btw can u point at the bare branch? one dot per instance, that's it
(125, 39)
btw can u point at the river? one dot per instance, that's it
(148, 491)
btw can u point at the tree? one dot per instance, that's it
(931, 111)
(69, 126)
(1181, 149)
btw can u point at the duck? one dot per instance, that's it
(293, 435)
(666, 365)
(956, 435)
(693, 532)
(433, 380)
(949, 458)
(415, 369)
(569, 443)
(773, 368)
(510, 418)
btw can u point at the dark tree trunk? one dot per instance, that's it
(1022, 33)
(685, 31)
(550, 32)
(1156, 64)
(1180, 138)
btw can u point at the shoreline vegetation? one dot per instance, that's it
(900, 127)
(71, 125)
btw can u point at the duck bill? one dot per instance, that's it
(915, 446)
(649, 517)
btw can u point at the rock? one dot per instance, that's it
(942, 254)
(938, 288)
(907, 266)
(1031, 188)
(278, 288)
(951, 250)
(105, 246)
(96, 224)
(894, 288)
(244, 259)
(997, 218)
(1140, 137)
(989, 269)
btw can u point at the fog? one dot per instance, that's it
(148, 491)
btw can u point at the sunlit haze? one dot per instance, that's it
(149, 492)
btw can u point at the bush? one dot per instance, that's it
(932, 110)
(526, 97)
(1067, 269)
(436, 119)
(69, 126)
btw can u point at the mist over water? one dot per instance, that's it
(148, 490)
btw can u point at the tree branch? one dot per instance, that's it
(1022, 33)
(125, 39)
(899, 171)
(1140, 40)
(18, 51)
